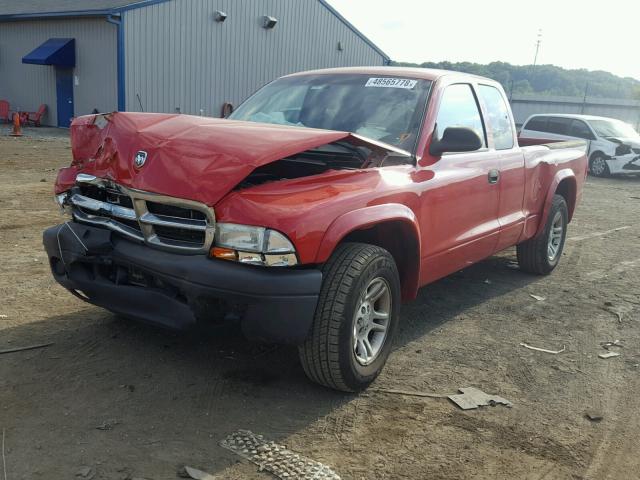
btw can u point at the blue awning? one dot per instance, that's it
(55, 51)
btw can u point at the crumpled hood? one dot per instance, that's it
(632, 142)
(188, 157)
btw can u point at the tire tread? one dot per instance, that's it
(319, 354)
(532, 254)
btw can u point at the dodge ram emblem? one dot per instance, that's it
(140, 159)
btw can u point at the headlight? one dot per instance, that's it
(253, 245)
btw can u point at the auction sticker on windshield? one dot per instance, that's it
(391, 83)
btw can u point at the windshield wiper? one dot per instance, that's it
(392, 157)
(353, 149)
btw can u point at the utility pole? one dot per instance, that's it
(538, 42)
(584, 99)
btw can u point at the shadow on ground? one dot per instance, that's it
(110, 390)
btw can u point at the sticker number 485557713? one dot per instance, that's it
(391, 83)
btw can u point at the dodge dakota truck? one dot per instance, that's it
(326, 200)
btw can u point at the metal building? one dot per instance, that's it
(190, 56)
(623, 109)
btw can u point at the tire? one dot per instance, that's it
(598, 166)
(535, 255)
(333, 355)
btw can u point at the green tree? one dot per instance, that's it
(546, 79)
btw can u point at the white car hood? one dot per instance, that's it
(632, 142)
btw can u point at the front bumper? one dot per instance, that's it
(181, 291)
(624, 164)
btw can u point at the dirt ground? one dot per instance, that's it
(165, 400)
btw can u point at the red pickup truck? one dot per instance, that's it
(323, 202)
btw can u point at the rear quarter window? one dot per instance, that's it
(498, 116)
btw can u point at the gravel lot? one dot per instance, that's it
(164, 400)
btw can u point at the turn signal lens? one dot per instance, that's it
(224, 253)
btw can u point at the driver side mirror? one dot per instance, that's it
(455, 139)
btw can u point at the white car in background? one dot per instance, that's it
(614, 146)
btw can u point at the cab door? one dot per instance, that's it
(459, 217)
(510, 164)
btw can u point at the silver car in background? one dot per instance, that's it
(614, 146)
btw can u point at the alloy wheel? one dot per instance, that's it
(371, 321)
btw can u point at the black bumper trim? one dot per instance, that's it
(272, 304)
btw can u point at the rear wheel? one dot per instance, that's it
(598, 165)
(356, 318)
(542, 253)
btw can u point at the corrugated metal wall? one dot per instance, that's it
(27, 86)
(177, 56)
(626, 110)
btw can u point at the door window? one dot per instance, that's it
(459, 108)
(498, 114)
(581, 130)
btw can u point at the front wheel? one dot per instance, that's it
(355, 320)
(542, 253)
(598, 165)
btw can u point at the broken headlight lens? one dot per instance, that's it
(623, 149)
(61, 201)
(253, 245)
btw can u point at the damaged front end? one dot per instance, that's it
(145, 240)
(623, 164)
(625, 159)
(633, 163)
(155, 178)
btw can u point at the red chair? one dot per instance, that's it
(4, 111)
(34, 117)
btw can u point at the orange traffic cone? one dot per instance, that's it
(17, 129)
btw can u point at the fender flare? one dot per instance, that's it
(560, 176)
(367, 217)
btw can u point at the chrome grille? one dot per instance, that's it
(168, 223)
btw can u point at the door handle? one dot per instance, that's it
(494, 176)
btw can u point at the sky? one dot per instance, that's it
(575, 34)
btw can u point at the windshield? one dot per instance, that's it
(387, 109)
(613, 128)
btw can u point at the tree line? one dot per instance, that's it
(546, 79)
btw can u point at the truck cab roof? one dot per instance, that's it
(431, 74)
